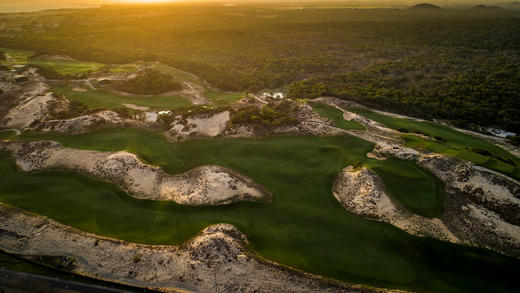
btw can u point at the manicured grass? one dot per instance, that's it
(20, 56)
(67, 67)
(304, 226)
(336, 116)
(61, 66)
(120, 68)
(222, 99)
(103, 98)
(455, 145)
(412, 186)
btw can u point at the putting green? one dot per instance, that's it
(304, 226)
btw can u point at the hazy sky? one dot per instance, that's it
(34, 5)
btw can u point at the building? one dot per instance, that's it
(273, 95)
(19, 67)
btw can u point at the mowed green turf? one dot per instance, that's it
(61, 66)
(222, 99)
(413, 186)
(103, 98)
(67, 67)
(304, 227)
(455, 145)
(106, 99)
(19, 56)
(336, 116)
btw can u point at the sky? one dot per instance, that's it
(35, 5)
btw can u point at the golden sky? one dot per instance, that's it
(34, 5)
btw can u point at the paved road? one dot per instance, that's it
(17, 282)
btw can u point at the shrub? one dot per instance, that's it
(486, 153)
(441, 139)
(149, 82)
(515, 140)
(124, 112)
(49, 73)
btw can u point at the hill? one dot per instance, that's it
(426, 6)
(482, 7)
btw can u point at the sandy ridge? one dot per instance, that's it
(468, 218)
(204, 185)
(362, 193)
(214, 260)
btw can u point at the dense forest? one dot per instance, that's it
(458, 65)
(452, 89)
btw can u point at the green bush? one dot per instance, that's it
(150, 82)
(49, 73)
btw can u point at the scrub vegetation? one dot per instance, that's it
(304, 226)
(445, 140)
(149, 82)
(459, 65)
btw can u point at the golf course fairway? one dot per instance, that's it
(304, 227)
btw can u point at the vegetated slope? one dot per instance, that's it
(426, 6)
(442, 139)
(256, 47)
(315, 234)
(149, 82)
(454, 89)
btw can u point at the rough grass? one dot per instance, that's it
(216, 98)
(455, 145)
(304, 226)
(336, 116)
(103, 98)
(7, 134)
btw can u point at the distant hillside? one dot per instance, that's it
(485, 7)
(513, 5)
(426, 6)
